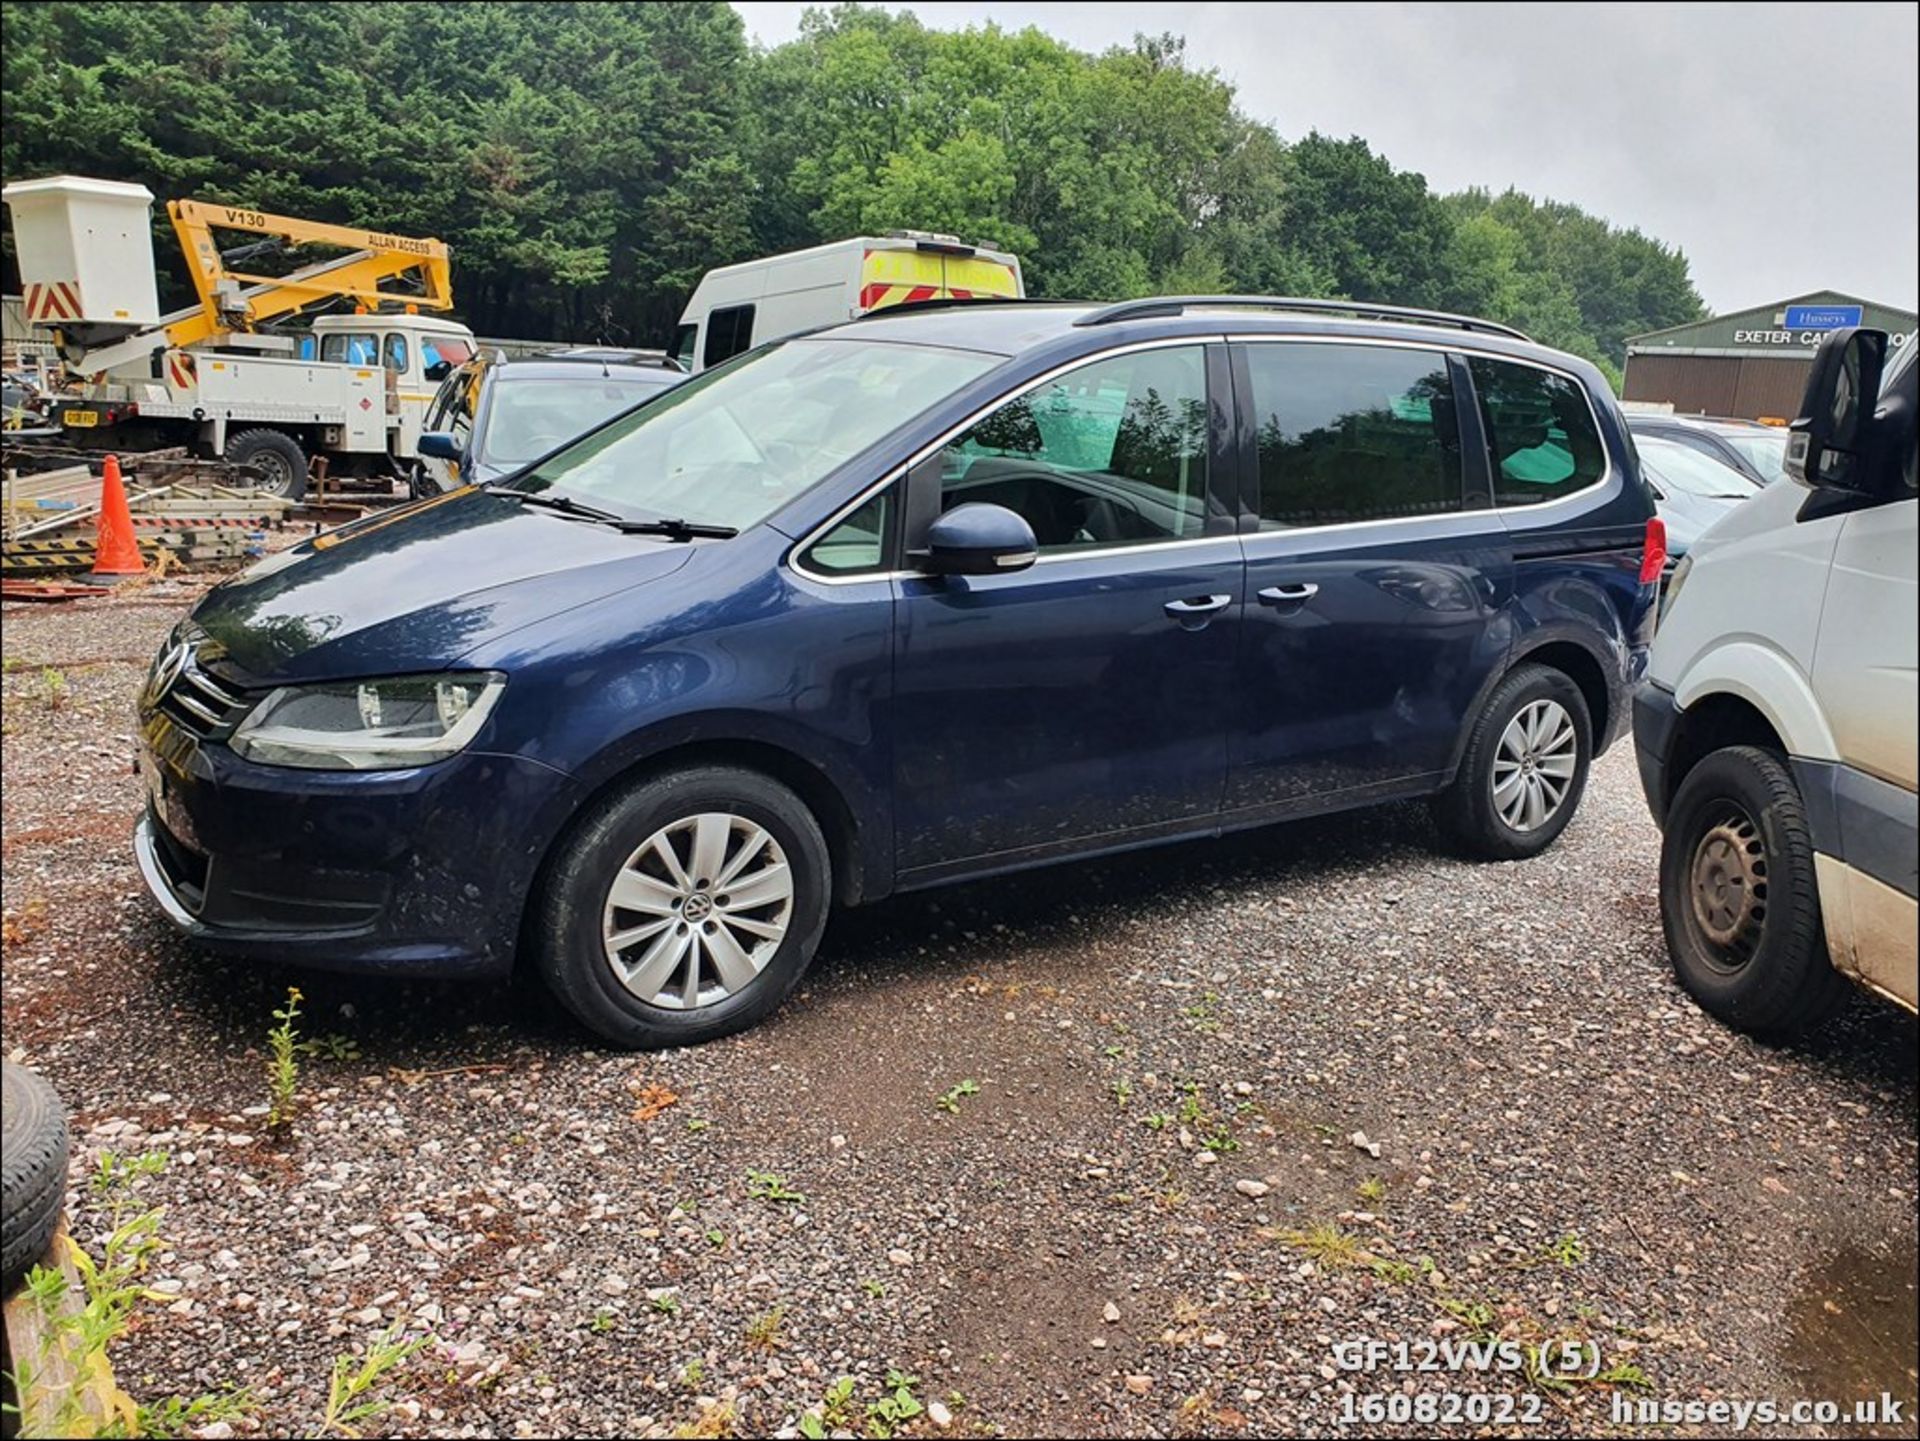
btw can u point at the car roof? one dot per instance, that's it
(1012, 327)
(1637, 420)
(553, 367)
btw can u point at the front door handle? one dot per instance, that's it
(1197, 605)
(1298, 593)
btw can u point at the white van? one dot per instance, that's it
(1776, 736)
(740, 306)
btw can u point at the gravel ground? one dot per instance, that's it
(1155, 1211)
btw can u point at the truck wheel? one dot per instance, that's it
(33, 1179)
(278, 458)
(1739, 898)
(684, 908)
(1524, 769)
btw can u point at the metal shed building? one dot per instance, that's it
(1751, 363)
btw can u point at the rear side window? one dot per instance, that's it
(1541, 439)
(729, 332)
(1353, 432)
(337, 345)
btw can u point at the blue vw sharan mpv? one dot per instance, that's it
(936, 593)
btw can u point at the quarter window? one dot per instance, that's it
(729, 332)
(1541, 440)
(1353, 432)
(858, 543)
(1114, 453)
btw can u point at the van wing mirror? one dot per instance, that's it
(1828, 444)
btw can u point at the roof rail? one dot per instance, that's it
(1157, 305)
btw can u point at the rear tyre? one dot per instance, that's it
(1524, 770)
(1740, 899)
(276, 456)
(684, 908)
(33, 1171)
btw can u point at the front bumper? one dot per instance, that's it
(422, 872)
(1656, 719)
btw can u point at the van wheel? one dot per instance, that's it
(685, 908)
(277, 456)
(1740, 900)
(1524, 769)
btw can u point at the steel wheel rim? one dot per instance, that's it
(1727, 888)
(1534, 765)
(697, 911)
(279, 471)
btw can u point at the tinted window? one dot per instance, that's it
(729, 332)
(1353, 432)
(858, 543)
(1540, 434)
(1114, 453)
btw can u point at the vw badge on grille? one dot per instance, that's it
(166, 670)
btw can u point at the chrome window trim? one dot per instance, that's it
(899, 473)
(1467, 352)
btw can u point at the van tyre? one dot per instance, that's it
(33, 1171)
(684, 908)
(280, 462)
(1740, 899)
(1524, 770)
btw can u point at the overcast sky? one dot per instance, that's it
(1774, 144)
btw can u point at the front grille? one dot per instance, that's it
(182, 688)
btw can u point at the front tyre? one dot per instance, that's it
(1740, 900)
(684, 908)
(1524, 769)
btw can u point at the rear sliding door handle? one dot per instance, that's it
(1197, 605)
(1297, 594)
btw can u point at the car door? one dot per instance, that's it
(1864, 673)
(1375, 579)
(1083, 701)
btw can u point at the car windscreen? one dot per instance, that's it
(732, 446)
(527, 418)
(1764, 450)
(1684, 468)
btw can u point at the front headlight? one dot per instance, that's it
(371, 725)
(1672, 592)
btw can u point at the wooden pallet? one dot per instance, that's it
(62, 1391)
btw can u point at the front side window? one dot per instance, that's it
(730, 447)
(353, 349)
(1114, 453)
(729, 332)
(1541, 439)
(1352, 433)
(395, 358)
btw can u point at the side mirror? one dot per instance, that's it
(438, 369)
(439, 445)
(1828, 443)
(978, 539)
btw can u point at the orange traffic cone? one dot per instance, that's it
(116, 552)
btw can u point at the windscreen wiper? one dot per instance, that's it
(676, 529)
(563, 503)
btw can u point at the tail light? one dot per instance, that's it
(1653, 559)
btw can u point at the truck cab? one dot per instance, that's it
(416, 351)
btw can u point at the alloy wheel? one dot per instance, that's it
(697, 911)
(1533, 768)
